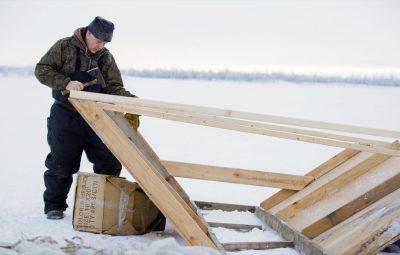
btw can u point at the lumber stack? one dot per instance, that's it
(353, 208)
(347, 205)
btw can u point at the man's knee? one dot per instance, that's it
(108, 169)
(62, 167)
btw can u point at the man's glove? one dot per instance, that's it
(133, 119)
(74, 85)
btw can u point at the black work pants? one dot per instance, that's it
(68, 136)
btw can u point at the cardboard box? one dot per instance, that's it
(112, 205)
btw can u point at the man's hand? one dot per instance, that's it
(74, 85)
(133, 119)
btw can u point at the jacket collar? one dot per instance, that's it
(78, 39)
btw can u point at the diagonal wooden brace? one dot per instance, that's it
(172, 205)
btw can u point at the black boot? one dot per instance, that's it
(55, 215)
(393, 248)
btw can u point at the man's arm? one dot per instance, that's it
(46, 70)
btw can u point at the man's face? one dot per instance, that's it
(94, 45)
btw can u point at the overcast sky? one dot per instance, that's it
(214, 34)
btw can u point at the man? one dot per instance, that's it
(64, 67)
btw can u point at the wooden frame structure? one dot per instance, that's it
(313, 212)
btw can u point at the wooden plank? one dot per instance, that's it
(333, 162)
(146, 150)
(301, 243)
(319, 171)
(234, 114)
(224, 207)
(250, 127)
(264, 126)
(343, 203)
(367, 231)
(289, 212)
(322, 181)
(187, 223)
(236, 175)
(256, 245)
(244, 227)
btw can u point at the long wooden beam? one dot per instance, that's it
(236, 114)
(236, 175)
(201, 118)
(256, 245)
(150, 180)
(301, 242)
(203, 205)
(251, 127)
(264, 126)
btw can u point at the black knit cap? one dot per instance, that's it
(102, 29)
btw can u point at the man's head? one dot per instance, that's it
(102, 29)
(99, 32)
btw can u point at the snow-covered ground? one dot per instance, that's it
(25, 103)
(302, 59)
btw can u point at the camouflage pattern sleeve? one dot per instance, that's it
(47, 70)
(112, 77)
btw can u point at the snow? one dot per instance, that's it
(255, 235)
(44, 246)
(238, 217)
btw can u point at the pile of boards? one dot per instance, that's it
(352, 207)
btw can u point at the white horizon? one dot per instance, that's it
(244, 35)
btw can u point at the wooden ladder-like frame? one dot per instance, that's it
(156, 177)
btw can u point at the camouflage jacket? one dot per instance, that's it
(56, 66)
